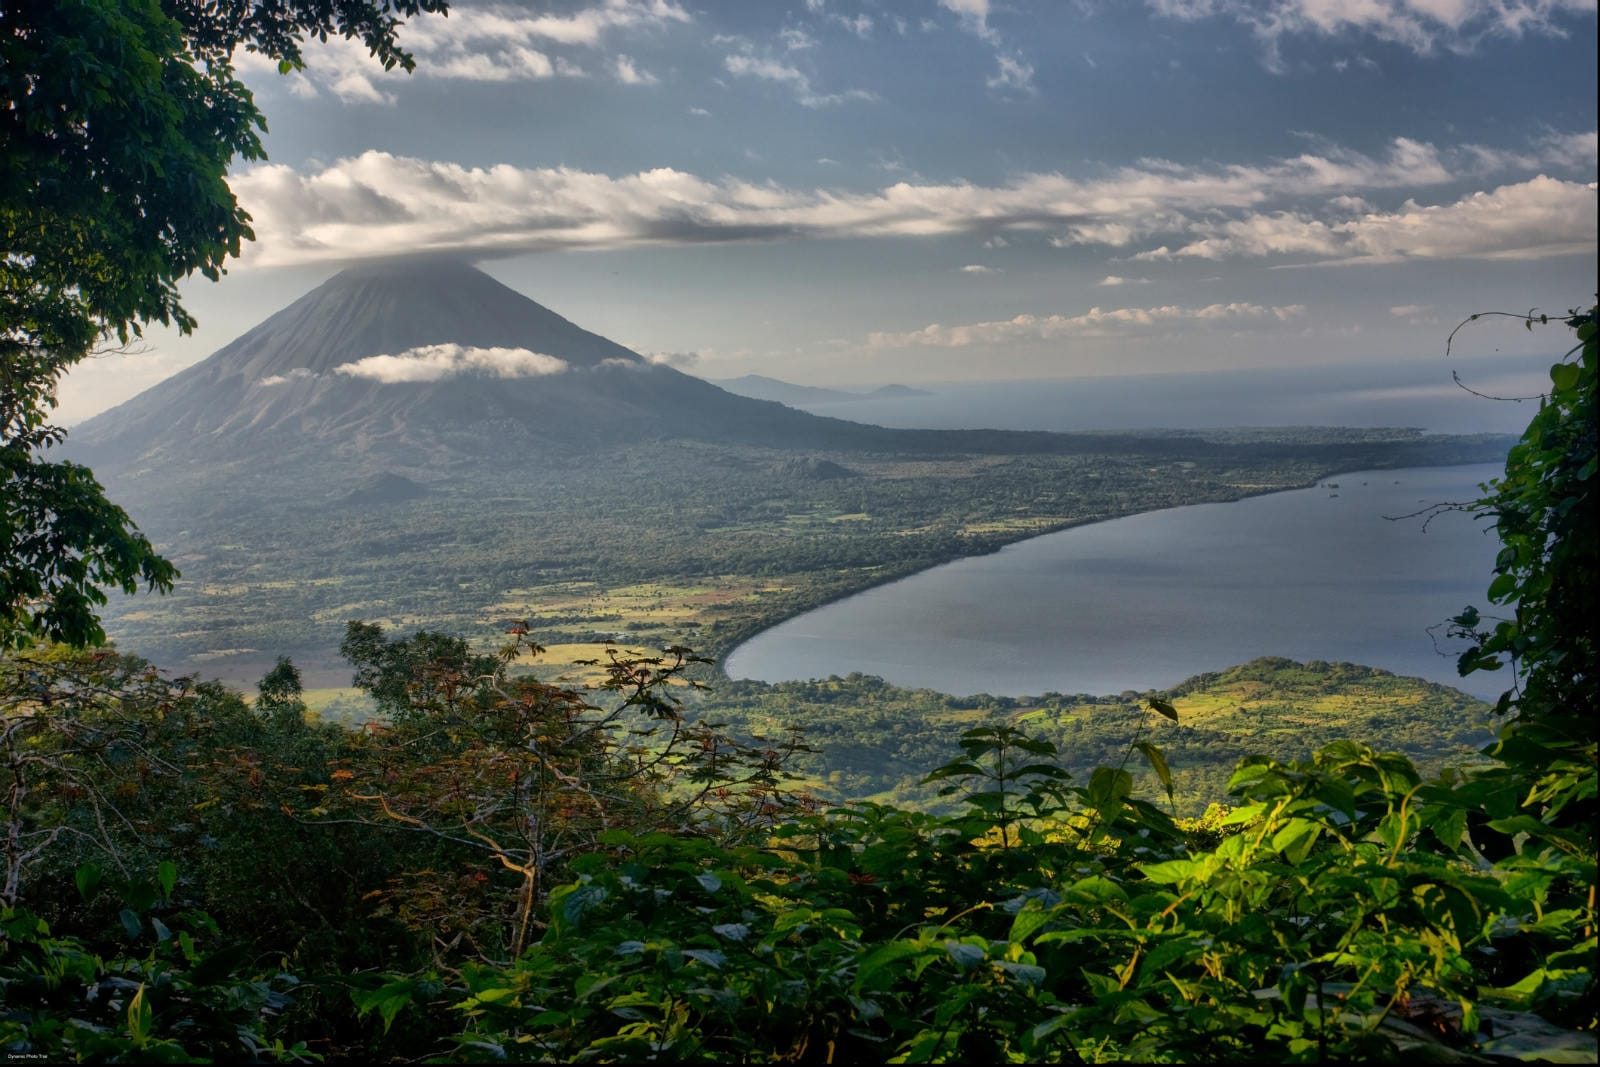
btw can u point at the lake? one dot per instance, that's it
(1146, 601)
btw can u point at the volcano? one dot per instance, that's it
(392, 361)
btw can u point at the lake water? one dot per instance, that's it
(1147, 601)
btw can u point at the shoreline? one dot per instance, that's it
(719, 666)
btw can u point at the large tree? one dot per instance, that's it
(118, 122)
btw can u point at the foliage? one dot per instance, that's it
(118, 123)
(175, 992)
(1350, 918)
(1547, 515)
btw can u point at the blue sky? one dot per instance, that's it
(859, 191)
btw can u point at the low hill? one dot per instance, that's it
(761, 387)
(876, 740)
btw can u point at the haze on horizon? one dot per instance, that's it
(843, 192)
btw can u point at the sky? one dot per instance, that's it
(854, 192)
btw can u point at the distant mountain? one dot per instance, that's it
(399, 361)
(760, 387)
(427, 364)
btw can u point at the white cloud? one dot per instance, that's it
(1113, 280)
(1012, 73)
(284, 379)
(679, 360)
(380, 204)
(1532, 219)
(974, 16)
(860, 25)
(629, 74)
(979, 268)
(1093, 323)
(1423, 26)
(432, 363)
(494, 43)
(748, 65)
(1415, 314)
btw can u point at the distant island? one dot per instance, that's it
(760, 387)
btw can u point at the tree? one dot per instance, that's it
(118, 121)
(1547, 515)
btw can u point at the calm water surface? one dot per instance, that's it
(1147, 601)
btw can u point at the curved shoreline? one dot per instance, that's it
(720, 665)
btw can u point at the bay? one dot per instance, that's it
(1144, 602)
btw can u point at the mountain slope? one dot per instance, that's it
(412, 355)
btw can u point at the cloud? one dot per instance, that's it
(629, 74)
(1532, 219)
(794, 39)
(678, 360)
(1012, 73)
(1424, 26)
(432, 363)
(494, 43)
(284, 379)
(979, 268)
(765, 68)
(974, 16)
(378, 204)
(1415, 314)
(1113, 280)
(1093, 323)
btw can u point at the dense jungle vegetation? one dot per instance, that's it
(501, 868)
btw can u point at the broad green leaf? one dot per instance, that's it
(1171, 872)
(88, 879)
(964, 955)
(710, 957)
(140, 1017)
(167, 875)
(1028, 922)
(884, 956)
(1158, 763)
(1109, 785)
(131, 922)
(1163, 708)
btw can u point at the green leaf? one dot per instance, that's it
(882, 957)
(1169, 873)
(965, 956)
(1158, 763)
(88, 878)
(1028, 922)
(1564, 376)
(131, 923)
(140, 1017)
(386, 1000)
(1108, 786)
(1163, 708)
(167, 875)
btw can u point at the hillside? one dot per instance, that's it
(875, 740)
